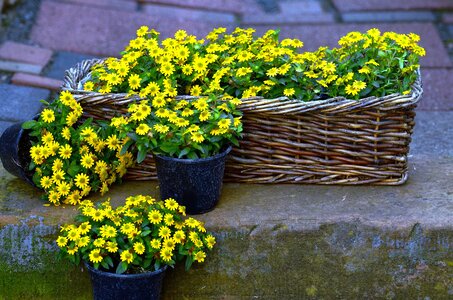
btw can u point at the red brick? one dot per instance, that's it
(234, 6)
(114, 4)
(359, 5)
(315, 36)
(286, 19)
(36, 81)
(97, 31)
(447, 18)
(437, 92)
(24, 53)
(182, 14)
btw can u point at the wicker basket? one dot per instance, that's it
(333, 141)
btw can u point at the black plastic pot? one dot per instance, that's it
(15, 152)
(194, 183)
(110, 286)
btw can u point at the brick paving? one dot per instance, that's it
(68, 31)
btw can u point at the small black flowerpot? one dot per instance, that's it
(15, 152)
(194, 183)
(142, 286)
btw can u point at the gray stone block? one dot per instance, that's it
(394, 16)
(20, 103)
(64, 60)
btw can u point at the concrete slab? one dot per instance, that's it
(20, 103)
(233, 6)
(63, 61)
(315, 36)
(181, 14)
(97, 31)
(389, 16)
(371, 5)
(273, 241)
(437, 85)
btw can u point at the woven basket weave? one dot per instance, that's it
(333, 141)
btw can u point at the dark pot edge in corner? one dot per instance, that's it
(191, 161)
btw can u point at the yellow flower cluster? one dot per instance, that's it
(239, 65)
(143, 234)
(73, 158)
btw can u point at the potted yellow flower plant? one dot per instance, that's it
(69, 157)
(127, 249)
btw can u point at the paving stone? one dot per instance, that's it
(355, 5)
(64, 60)
(4, 125)
(112, 4)
(393, 16)
(286, 19)
(290, 12)
(36, 81)
(24, 53)
(12, 66)
(447, 18)
(431, 125)
(181, 14)
(437, 89)
(314, 36)
(234, 6)
(101, 32)
(20, 103)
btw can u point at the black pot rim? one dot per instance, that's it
(196, 160)
(129, 276)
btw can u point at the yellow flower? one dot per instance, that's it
(210, 241)
(111, 247)
(134, 81)
(167, 69)
(187, 70)
(47, 138)
(66, 133)
(84, 228)
(289, 92)
(179, 236)
(169, 244)
(66, 98)
(171, 204)
(143, 30)
(166, 254)
(72, 250)
(83, 241)
(197, 137)
(46, 182)
(97, 215)
(155, 243)
(82, 180)
(62, 241)
(73, 235)
(71, 118)
(99, 242)
(48, 115)
(191, 222)
(199, 64)
(88, 86)
(139, 248)
(108, 231)
(113, 143)
(200, 256)
(63, 188)
(224, 123)
(272, 72)
(195, 90)
(161, 128)
(142, 129)
(164, 232)
(155, 217)
(95, 256)
(127, 256)
(168, 219)
(65, 151)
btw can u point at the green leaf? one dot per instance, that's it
(122, 267)
(147, 263)
(184, 152)
(141, 155)
(29, 124)
(126, 147)
(109, 261)
(189, 261)
(145, 232)
(44, 102)
(234, 141)
(31, 166)
(104, 265)
(73, 169)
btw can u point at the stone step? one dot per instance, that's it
(274, 241)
